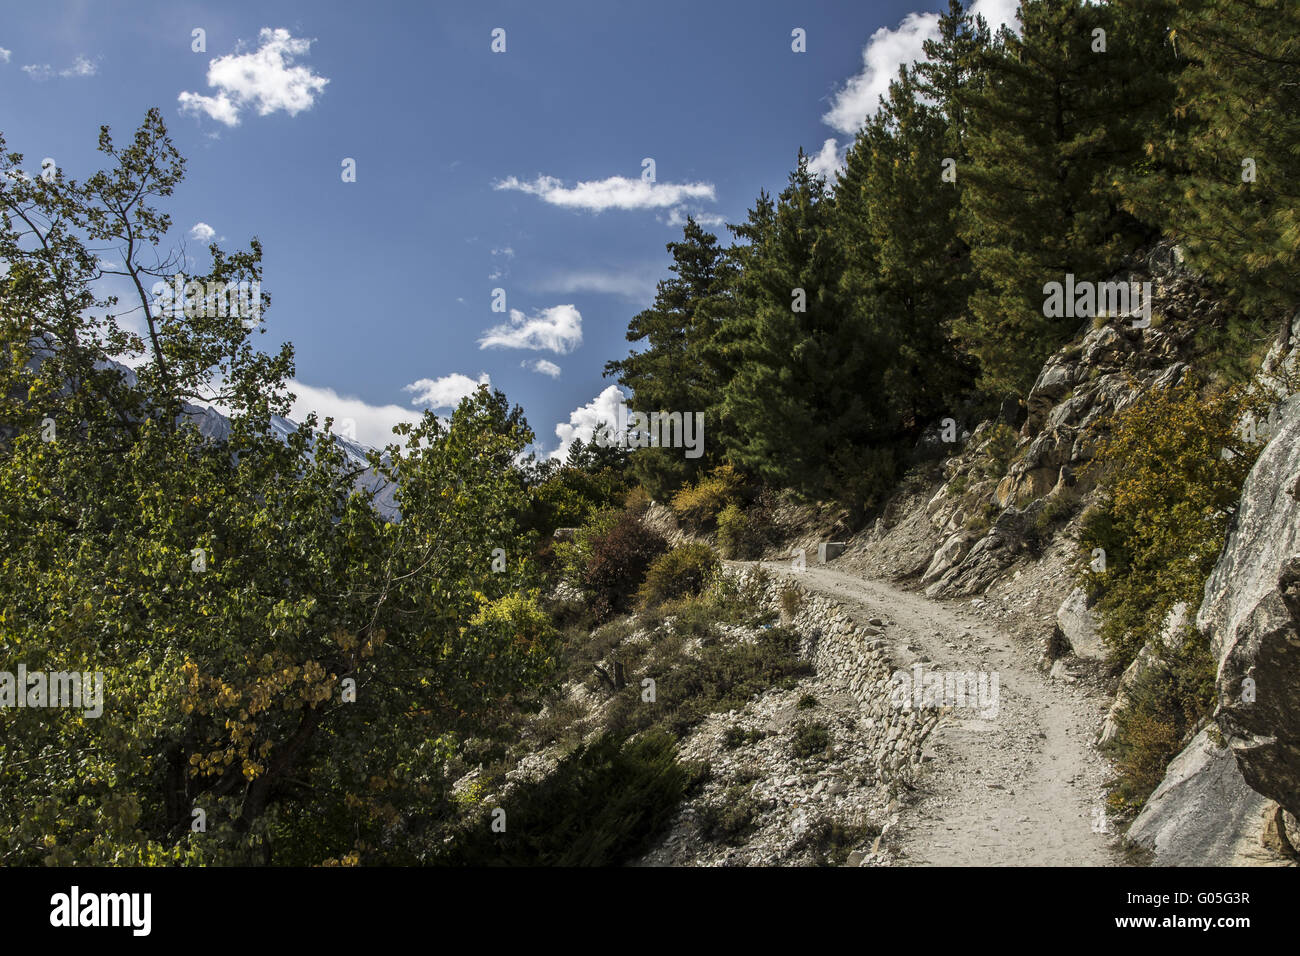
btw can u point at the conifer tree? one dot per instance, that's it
(1230, 193)
(679, 369)
(1067, 108)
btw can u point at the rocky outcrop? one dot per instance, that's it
(1203, 813)
(1006, 489)
(1251, 612)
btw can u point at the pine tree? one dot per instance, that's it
(679, 370)
(906, 271)
(1065, 111)
(1230, 185)
(805, 400)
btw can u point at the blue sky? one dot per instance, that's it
(475, 170)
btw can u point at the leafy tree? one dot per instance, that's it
(227, 588)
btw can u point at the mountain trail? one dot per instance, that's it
(1023, 788)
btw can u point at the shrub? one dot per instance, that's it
(683, 571)
(810, 739)
(807, 702)
(698, 505)
(1168, 495)
(741, 535)
(791, 601)
(602, 805)
(732, 819)
(616, 561)
(1165, 704)
(736, 736)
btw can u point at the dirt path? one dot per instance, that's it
(1022, 789)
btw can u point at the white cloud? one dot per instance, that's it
(202, 232)
(557, 329)
(616, 192)
(677, 218)
(885, 52)
(445, 392)
(266, 80)
(637, 285)
(374, 423)
(828, 161)
(81, 66)
(545, 366)
(5, 54)
(506, 251)
(582, 423)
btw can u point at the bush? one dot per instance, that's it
(732, 819)
(809, 739)
(791, 601)
(698, 506)
(1168, 495)
(740, 536)
(617, 558)
(683, 571)
(1165, 705)
(601, 806)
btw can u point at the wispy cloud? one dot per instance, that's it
(202, 231)
(544, 366)
(677, 218)
(81, 67)
(5, 55)
(638, 285)
(557, 329)
(445, 392)
(616, 192)
(265, 80)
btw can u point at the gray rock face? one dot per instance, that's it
(1079, 626)
(1203, 813)
(1251, 611)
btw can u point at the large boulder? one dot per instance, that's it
(1078, 625)
(1203, 813)
(1251, 612)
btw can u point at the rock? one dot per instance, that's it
(1203, 813)
(829, 551)
(1251, 611)
(1078, 626)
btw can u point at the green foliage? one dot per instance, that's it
(699, 505)
(1166, 703)
(731, 818)
(809, 739)
(1169, 495)
(1049, 132)
(1235, 102)
(685, 570)
(681, 367)
(223, 685)
(601, 806)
